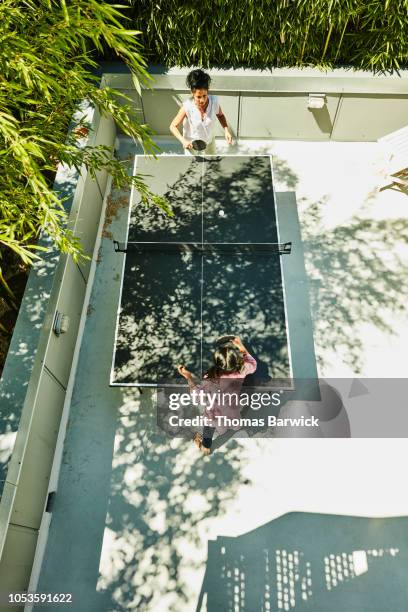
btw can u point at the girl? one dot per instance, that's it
(198, 115)
(232, 363)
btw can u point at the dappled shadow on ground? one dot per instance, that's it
(309, 562)
(161, 492)
(357, 275)
(284, 175)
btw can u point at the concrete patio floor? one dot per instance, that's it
(134, 511)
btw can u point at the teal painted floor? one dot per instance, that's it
(141, 522)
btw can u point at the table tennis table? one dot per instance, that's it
(213, 268)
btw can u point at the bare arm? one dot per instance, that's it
(223, 120)
(187, 375)
(174, 125)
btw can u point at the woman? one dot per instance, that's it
(198, 114)
(232, 363)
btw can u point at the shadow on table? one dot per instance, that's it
(161, 314)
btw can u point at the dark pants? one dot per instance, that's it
(208, 433)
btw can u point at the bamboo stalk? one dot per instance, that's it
(327, 42)
(341, 40)
(304, 41)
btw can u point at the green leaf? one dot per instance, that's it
(64, 10)
(136, 83)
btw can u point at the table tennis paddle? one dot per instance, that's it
(199, 145)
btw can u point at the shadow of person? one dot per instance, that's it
(261, 376)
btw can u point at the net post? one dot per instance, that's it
(285, 248)
(118, 247)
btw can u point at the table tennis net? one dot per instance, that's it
(280, 248)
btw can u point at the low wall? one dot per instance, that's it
(37, 369)
(273, 104)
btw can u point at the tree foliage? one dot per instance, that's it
(47, 50)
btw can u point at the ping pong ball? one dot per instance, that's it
(221, 213)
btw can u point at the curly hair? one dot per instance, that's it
(198, 79)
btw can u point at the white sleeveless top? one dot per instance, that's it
(195, 128)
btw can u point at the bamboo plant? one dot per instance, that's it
(360, 34)
(47, 62)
